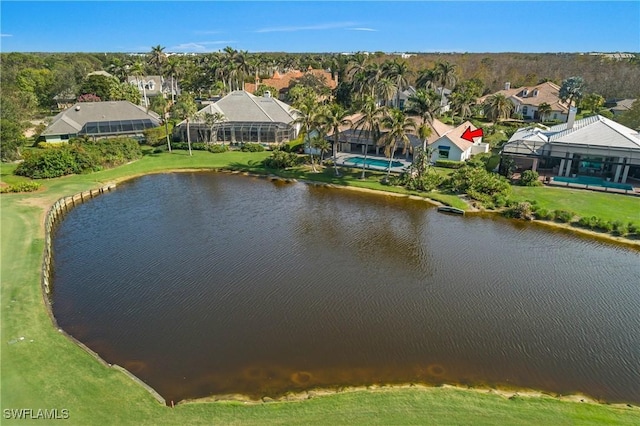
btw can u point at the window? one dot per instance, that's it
(525, 110)
(525, 92)
(443, 151)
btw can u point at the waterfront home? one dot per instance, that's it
(244, 118)
(450, 145)
(100, 120)
(593, 146)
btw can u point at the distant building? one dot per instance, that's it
(283, 81)
(527, 100)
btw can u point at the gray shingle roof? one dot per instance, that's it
(243, 106)
(71, 120)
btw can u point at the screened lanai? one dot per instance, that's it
(239, 132)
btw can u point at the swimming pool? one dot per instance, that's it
(592, 181)
(376, 162)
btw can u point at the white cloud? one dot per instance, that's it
(6, 35)
(362, 29)
(325, 26)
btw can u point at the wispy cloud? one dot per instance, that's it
(6, 35)
(362, 29)
(315, 27)
(199, 46)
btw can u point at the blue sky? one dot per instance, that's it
(325, 26)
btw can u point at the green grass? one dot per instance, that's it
(584, 203)
(47, 371)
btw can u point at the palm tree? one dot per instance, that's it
(398, 72)
(424, 103)
(138, 71)
(544, 109)
(174, 69)
(118, 68)
(334, 117)
(399, 127)
(369, 124)
(461, 104)
(446, 74)
(157, 58)
(307, 112)
(427, 79)
(320, 143)
(185, 109)
(571, 90)
(386, 88)
(497, 107)
(424, 156)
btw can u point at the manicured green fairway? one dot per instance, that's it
(47, 371)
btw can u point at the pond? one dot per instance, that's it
(205, 283)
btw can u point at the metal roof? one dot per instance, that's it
(243, 106)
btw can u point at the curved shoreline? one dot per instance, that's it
(510, 392)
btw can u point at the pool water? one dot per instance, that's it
(372, 162)
(592, 181)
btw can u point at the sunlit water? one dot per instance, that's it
(206, 284)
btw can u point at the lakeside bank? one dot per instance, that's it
(45, 369)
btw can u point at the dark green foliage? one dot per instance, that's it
(21, 187)
(620, 228)
(478, 183)
(449, 164)
(564, 216)
(217, 148)
(530, 178)
(11, 139)
(544, 214)
(426, 182)
(79, 156)
(281, 160)
(296, 145)
(252, 147)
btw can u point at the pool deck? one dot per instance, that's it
(343, 158)
(547, 179)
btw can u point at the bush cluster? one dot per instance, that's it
(521, 210)
(530, 178)
(281, 160)
(480, 184)
(79, 156)
(21, 187)
(252, 147)
(449, 164)
(198, 146)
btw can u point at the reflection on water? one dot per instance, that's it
(207, 284)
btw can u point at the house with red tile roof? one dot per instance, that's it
(283, 81)
(527, 100)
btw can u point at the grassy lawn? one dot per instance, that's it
(583, 203)
(46, 371)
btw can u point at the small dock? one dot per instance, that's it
(451, 210)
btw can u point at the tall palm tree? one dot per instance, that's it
(185, 109)
(175, 69)
(427, 79)
(446, 73)
(369, 125)
(424, 103)
(138, 71)
(386, 88)
(320, 143)
(544, 109)
(398, 126)
(307, 115)
(118, 68)
(571, 91)
(497, 107)
(157, 58)
(461, 104)
(334, 117)
(398, 72)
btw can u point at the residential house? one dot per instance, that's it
(153, 85)
(619, 106)
(593, 146)
(401, 99)
(100, 120)
(246, 118)
(282, 81)
(527, 100)
(448, 144)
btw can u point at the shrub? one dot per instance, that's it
(281, 160)
(604, 225)
(588, 222)
(477, 180)
(21, 187)
(634, 228)
(449, 164)
(530, 178)
(620, 228)
(427, 182)
(564, 216)
(252, 147)
(217, 148)
(521, 210)
(544, 214)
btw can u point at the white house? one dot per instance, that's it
(527, 100)
(450, 145)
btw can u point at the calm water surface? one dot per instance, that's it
(206, 284)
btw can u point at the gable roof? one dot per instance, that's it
(623, 105)
(591, 131)
(242, 106)
(546, 92)
(455, 136)
(72, 120)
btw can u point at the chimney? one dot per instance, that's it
(572, 117)
(267, 94)
(507, 85)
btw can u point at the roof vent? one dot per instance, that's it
(267, 94)
(78, 108)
